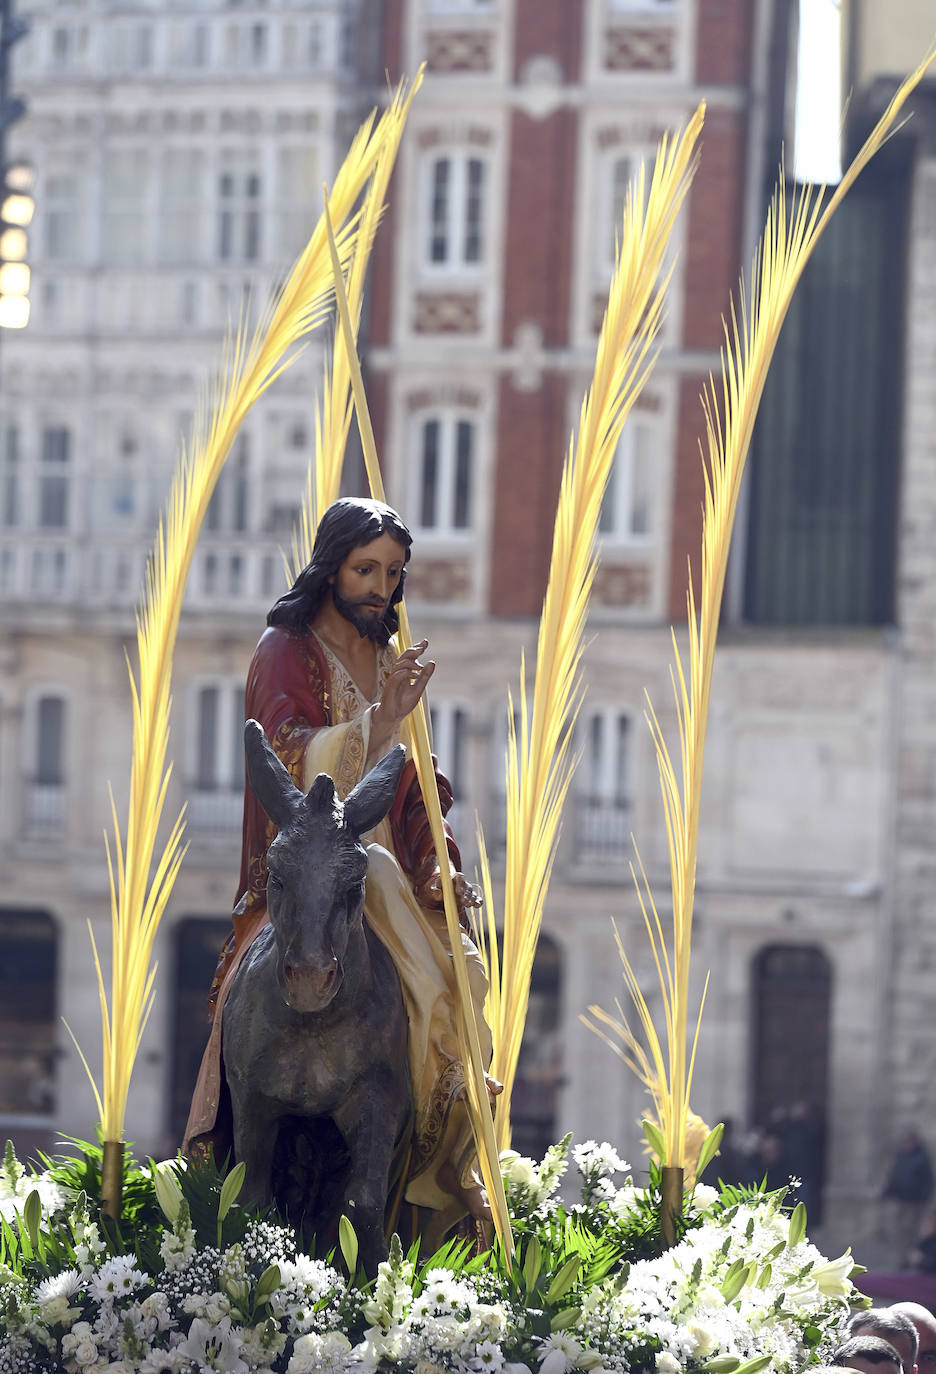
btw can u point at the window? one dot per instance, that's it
(641, 6)
(116, 489)
(449, 727)
(299, 198)
(28, 970)
(50, 742)
(132, 47)
(616, 173)
(54, 477)
(454, 231)
(62, 211)
(126, 176)
(188, 45)
(217, 785)
(627, 509)
(9, 477)
(239, 208)
(460, 6)
(183, 171)
(603, 785)
(70, 47)
(220, 747)
(825, 457)
(445, 470)
(227, 509)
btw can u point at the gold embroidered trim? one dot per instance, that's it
(348, 706)
(430, 1123)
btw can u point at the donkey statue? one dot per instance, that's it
(314, 1026)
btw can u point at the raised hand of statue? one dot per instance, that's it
(405, 684)
(429, 892)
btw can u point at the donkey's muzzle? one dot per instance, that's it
(307, 988)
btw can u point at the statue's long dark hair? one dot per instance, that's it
(347, 524)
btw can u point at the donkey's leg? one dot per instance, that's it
(256, 1125)
(370, 1122)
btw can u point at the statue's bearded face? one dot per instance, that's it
(365, 582)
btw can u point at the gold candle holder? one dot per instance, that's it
(671, 1202)
(112, 1178)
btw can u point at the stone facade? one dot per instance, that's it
(820, 782)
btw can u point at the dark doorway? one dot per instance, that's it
(539, 1068)
(791, 997)
(198, 944)
(28, 970)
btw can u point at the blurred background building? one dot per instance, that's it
(179, 148)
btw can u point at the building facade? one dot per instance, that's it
(179, 152)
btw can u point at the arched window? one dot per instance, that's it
(28, 967)
(453, 225)
(198, 941)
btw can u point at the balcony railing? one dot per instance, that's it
(235, 571)
(44, 809)
(216, 813)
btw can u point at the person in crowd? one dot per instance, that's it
(925, 1325)
(889, 1325)
(908, 1188)
(869, 1355)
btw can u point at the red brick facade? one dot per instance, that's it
(551, 28)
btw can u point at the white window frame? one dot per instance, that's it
(605, 774)
(643, 6)
(448, 419)
(637, 458)
(455, 226)
(215, 804)
(50, 469)
(44, 800)
(239, 211)
(611, 195)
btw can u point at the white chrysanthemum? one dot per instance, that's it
(319, 1354)
(593, 1158)
(61, 1285)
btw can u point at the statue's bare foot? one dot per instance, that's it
(474, 1200)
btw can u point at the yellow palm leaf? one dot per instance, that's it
(333, 415)
(539, 758)
(251, 364)
(751, 336)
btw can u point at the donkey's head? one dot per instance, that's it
(316, 866)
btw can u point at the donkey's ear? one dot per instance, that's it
(269, 781)
(373, 797)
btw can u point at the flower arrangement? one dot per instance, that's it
(188, 1281)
